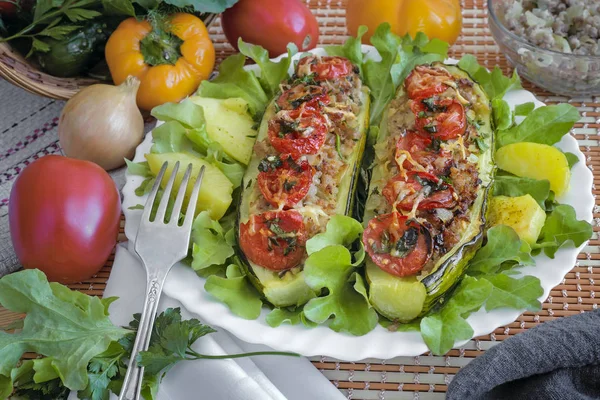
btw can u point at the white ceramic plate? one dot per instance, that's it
(184, 285)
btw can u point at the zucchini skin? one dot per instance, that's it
(451, 267)
(290, 289)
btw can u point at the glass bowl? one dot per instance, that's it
(562, 73)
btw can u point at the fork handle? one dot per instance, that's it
(133, 378)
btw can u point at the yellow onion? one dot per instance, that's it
(102, 124)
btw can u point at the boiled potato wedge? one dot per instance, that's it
(522, 213)
(229, 123)
(215, 192)
(537, 161)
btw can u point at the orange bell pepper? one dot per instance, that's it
(440, 19)
(170, 62)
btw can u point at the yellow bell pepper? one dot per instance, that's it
(169, 61)
(440, 19)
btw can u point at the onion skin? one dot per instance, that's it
(102, 124)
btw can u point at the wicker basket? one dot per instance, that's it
(19, 71)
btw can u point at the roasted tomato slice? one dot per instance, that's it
(397, 245)
(419, 146)
(425, 81)
(429, 190)
(283, 181)
(310, 95)
(301, 131)
(443, 119)
(274, 239)
(325, 68)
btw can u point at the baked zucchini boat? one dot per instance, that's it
(425, 213)
(304, 170)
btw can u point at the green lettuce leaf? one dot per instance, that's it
(503, 244)
(234, 81)
(546, 125)
(494, 83)
(203, 6)
(68, 326)
(399, 57)
(562, 226)
(503, 118)
(140, 168)
(351, 49)
(272, 73)
(171, 137)
(341, 230)
(572, 159)
(209, 245)
(284, 315)
(518, 293)
(236, 292)
(186, 112)
(514, 186)
(524, 109)
(347, 301)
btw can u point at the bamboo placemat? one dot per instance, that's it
(427, 376)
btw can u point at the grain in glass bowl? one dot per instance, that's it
(548, 47)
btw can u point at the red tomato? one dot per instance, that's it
(398, 246)
(272, 24)
(419, 147)
(64, 217)
(7, 9)
(445, 120)
(305, 135)
(274, 239)
(434, 192)
(425, 81)
(308, 95)
(283, 181)
(325, 68)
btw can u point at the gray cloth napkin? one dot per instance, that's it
(555, 360)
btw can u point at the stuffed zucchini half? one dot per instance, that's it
(425, 213)
(304, 170)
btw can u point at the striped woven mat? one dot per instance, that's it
(427, 376)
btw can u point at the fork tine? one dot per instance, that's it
(189, 213)
(152, 195)
(180, 196)
(164, 201)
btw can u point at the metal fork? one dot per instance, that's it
(160, 245)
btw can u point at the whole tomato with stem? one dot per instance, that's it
(271, 24)
(8, 9)
(64, 217)
(440, 19)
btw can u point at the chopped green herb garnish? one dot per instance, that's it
(270, 163)
(338, 146)
(431, 128)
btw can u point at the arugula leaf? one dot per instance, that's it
(524, 109)
(572, 159)
(514, 186)
(470, 295)
(102, 369)
(347, 301)
(516, 293)
(340, 230)
(68, 326)
(236, 292)
(272, 73)
(441, 330)
(351, 49)
(503, 244)
(204, 6)
(139, 168)
(562, 226)
(234, 81)
(494, 83)
(209, 246)
(545, 125)
(503, 118)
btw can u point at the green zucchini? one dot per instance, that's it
(289, 288)
(408, 297)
